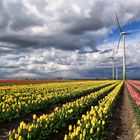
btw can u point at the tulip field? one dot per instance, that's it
(134, 93)
(81, 108)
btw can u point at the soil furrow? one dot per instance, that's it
(123, 124)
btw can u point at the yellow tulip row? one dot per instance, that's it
(92, 124)
(47, 124)
(19, 102)
(37, 88)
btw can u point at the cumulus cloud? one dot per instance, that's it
(52, 38)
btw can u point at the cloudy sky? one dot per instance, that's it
(67, 38)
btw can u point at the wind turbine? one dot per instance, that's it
(113, 64)
(122, 35)
(116, 71)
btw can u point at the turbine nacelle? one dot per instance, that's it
(111, 58)
(123, 33)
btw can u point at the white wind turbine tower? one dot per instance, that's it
(113, 63)
(116, 71)
(114, 66)
(122, 35)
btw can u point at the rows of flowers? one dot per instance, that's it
(92, 124)
(21, 81)
(135, 85)
(133, 93)
(47, 124)
(17, 102)
(134, 82)
(28, 81)
(25, 81)
(39, 87)
(34, 81)
(134, 98)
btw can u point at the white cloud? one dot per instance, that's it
(76, 8)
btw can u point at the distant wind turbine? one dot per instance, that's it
(116, 71)
(113, 64)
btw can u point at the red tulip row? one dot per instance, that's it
(133, 91)
(135, 96)
(134, 82)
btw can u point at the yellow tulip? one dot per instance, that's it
(103, 122)
(30, 128)
(20, 138)
(72, 136)
(87, 126)
(19, 130)
(84, 133)
(70, 127)
(98, 129)
(81, 136)
(78, 122)
(91, 130)
(66, 137)
(16, 136)
(34, 116)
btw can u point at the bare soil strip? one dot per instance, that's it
(123, 125)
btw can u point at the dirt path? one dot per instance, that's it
(123, 125)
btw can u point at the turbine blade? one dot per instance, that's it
(111, 58)
(119, 43)
(121, 30)
(132, 31)
(129, 33)
(113, 53)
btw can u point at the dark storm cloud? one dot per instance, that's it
(64, 41)
(84, 51)
(68, 42)
(8, 67)
(133, 72)
(4, 18)
(106, 51)
(81, 26)
(16, 16)
(81, 74)
(98, 19)
(102, 14)
(19, 41)
(20, 18)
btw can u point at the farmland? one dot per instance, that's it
(67, 110)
